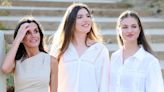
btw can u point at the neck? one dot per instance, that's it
(129, 50)
(130, 46)
(79, 39)
(32, 52)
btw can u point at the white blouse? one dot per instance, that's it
(87, 73)
(139, 73)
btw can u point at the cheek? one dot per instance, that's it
(138, 32)
(77, 27)
(25, 39)
(120, 32)
(90, 20)
(39, 36)
(77, 24)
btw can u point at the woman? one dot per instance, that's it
(133, 67)
(83, 59)
(34, 70)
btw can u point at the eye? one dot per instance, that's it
(124, 27)
(89, 16)
(27, 33)
(134, 26)
(36, 31)
(79, 16)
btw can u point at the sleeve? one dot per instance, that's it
(103, 71)
(154, 80)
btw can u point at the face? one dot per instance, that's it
(32, 37)
(129, 30)
(83, 21)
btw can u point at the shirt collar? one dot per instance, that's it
(140, 53)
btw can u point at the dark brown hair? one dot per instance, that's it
(141, 39)
(21, 49)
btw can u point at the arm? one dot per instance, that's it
(54, 75)
(9, 61)
(154, 80)
(103, 71)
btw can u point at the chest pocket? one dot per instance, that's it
(134, 79)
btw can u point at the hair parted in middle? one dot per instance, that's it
(65, 32)
(142, 38)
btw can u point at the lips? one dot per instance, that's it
(86, 25)
(130, 35)
(33, 40)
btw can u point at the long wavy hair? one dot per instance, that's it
(141, 39)
(65, 32)
(21, 49)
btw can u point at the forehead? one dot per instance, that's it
(32, 25)
(82, 11)
(129, 20)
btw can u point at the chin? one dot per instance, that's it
(34, 45)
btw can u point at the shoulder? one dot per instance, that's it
(151, 58)
(53, 60)
(152, 63)
(116, 53)
(44, 54)
(148, 60)
(100, 45)
(101, 48)
(97, 43)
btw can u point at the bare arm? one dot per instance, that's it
(54, 75)
(9, 62)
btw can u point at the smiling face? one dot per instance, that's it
(129, 30)
(32, 37)
(83, 21)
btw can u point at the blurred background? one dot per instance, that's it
(50, 12)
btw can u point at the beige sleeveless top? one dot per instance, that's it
(33, 74)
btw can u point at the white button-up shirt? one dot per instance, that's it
(87, 73)
(140, 73)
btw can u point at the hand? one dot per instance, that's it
(21, 32)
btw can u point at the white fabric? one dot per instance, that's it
(88, 73)
(140, 73)
(33, 74)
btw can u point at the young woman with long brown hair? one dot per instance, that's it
(83, 59)
(134, 68)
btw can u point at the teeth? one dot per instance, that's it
(85, 25)
(33, 40)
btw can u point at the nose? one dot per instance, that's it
(86, 18)
(129, 29)
(33, 34)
